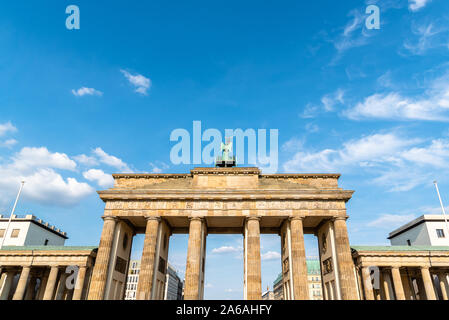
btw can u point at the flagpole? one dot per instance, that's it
(442, 208)
(12, 213)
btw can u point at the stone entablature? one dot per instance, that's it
(47, 256)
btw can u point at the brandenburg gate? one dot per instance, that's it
(224, 200)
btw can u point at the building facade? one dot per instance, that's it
(173, 285)
(427, 230)
(30, 231)
(402, 272)
(313, 279)
(46, 272)
(133, 280)
(224, 200)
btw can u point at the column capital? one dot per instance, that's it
(105, 218)
(196, 219)
(339, 218)
(292, 218)
(424, 267)
(253, 218)
(153, 218)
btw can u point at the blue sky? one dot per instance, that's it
(78, 105)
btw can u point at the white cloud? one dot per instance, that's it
(415, 5)
(86, 160)
(375, 147)
(8, 143)
(397, 163)
(158, 167)
(312, 128)
(271, 255)
(331, 100)
(84, 91)
(102, 179)
(48, 187)
(328, 103)
(389, 221)
(427, 39)
(7, 127)
(226, 249)
(32, 158)
(432, 105)
(208, 285)
(43, 185)
(112, 161)
(141, 83)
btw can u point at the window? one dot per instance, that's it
(15, 233)
(409, 243)
(2, 233)
(440, 233)
(46, 242)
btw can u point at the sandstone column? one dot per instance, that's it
(298, 258)
(428, 283)
(443, 285)
(29, 295)
(7, 285)
(51, 283)
(367, 285)
(22, 284)
(100, 273)
(61, 286)
(385, 286)
(79, 285)
(42, 285)
(344, 258)
(398, 287)
(193, 268)
(254, 279)
(145, 284)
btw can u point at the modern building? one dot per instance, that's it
(133, 280)
(30, 231)
(173, 284)
(313, 280)
(278, 288)
(268, 295)
(427, 230)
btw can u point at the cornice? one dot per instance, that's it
(195, 194)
